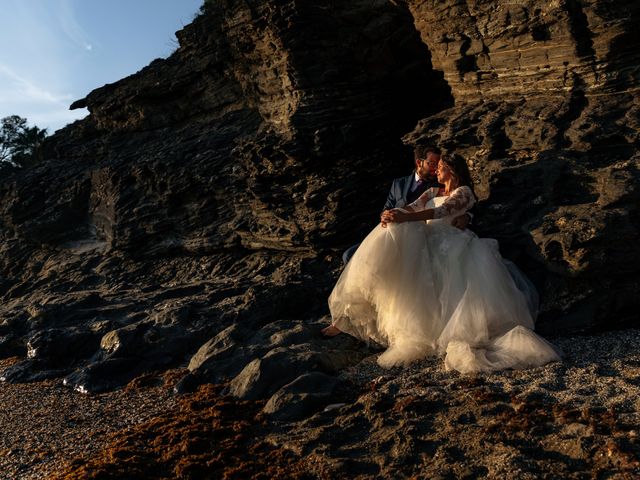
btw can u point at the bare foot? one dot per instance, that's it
(331, 331)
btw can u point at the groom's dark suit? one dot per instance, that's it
(404, 190)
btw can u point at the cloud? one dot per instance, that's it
(71, 28)
(21, 96)
(38, 77)
(28, 90)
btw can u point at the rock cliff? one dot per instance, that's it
(215, 190)
(547, 114)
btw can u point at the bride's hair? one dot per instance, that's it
(458, 166)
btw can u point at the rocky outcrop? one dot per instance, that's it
(547, 113)
(220, 180)
(217, 188)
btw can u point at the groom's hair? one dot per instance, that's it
(421, 151)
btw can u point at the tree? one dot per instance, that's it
(9, 130)
(20, 145)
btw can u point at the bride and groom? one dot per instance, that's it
(422, 287)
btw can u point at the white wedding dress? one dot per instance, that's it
(427, 288)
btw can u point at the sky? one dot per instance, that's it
(53, 52)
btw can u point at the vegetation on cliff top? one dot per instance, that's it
(20, 145)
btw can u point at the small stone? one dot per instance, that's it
(333, 406)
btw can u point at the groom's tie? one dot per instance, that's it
(412, 196)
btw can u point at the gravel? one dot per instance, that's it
(576, 417)
(45, 424)
(597, 371)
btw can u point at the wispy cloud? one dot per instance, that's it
(70, 26)
(37, 77)
(57, 51)
(30, 91)
(42, 107)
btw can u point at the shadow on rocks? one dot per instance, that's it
(129, 351)
(108, 354)
(288, 362)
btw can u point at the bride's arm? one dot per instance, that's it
(398, 216)
(389, 215)
(422, 200)
(459, 201)
(415, 207)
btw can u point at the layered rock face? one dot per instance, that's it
(211, 188)
(219, 186)
(547, 114)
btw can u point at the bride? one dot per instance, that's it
(422, 287)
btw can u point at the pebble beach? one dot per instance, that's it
(578, 419)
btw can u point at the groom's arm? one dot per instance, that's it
(391, 198)
(466, 219)
(462, 221)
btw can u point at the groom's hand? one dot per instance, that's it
(393, 216)
(461, 221)
(383, 222)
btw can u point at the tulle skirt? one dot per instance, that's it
(431, 289)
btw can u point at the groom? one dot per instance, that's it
(406, 190)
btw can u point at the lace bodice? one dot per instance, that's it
(458, 202)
